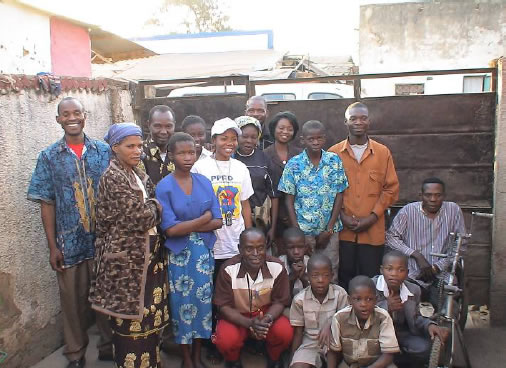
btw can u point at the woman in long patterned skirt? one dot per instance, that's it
(130, 265)
(190, 214)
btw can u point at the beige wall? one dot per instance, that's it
(449, 34)
(30, 323)
(429, 35)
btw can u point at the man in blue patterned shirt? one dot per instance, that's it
(313, 182)
(65, 183)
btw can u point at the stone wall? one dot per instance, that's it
(30, 321)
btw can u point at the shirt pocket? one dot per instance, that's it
(350, 354)
(310, 319)
(373, 347)
(376, 179)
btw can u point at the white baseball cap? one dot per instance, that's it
(222, 125)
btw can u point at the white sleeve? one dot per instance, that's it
(246, 187)
(196, 167)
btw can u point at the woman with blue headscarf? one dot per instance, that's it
(130, 266)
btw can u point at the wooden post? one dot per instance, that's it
(137, 103)
(357, 89)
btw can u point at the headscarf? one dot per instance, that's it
(119, 131)
(242, 121)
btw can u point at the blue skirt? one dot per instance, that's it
(191, 290)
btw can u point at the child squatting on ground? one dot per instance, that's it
(311, 311)
(401, 299)
(363, 334)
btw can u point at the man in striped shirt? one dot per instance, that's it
(422, 228)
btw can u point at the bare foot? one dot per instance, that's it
(214, 356)
(199, 363)
(187, 363)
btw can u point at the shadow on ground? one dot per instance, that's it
(485, 346)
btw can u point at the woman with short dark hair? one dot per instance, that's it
(283, 127)
(191, 213)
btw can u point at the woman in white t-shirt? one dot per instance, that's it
(232, 185)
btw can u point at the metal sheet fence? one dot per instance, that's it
(449, 136)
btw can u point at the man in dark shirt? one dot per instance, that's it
(256, 107)
(162, 123)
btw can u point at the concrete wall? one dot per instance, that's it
(498, 273)
(70, 49)
(30, 322)
(448, 34)
(24, 41)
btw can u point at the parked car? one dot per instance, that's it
(274, 92)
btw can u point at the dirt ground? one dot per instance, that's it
(485, 345)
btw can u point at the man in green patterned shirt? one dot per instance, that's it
(162, 123)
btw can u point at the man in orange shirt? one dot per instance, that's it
(373, 187)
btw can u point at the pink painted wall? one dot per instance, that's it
(70, 49)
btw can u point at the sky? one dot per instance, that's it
(316, 27)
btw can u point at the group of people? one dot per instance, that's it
(240, 240)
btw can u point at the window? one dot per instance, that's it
(323, 96)
(476, 83)
(279, 96)
(407, 89)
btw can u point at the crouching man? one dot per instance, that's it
(251, 291)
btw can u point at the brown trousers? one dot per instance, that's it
(74, 284)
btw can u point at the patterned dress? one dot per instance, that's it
(191, 260)
(191, 290)
(130, 283)
(136, 342)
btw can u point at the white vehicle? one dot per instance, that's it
(275, 92)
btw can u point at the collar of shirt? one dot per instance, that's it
(330, 295)
(353, 320)
(441, 211)
(347, 146)
(382, 286)
(205, 153)
(265, 271)
(88, 143)
(130, 175)
(323, 160)
(153, 149)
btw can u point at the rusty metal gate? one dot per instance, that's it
(449, 136)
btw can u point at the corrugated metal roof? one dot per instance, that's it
(178, 66)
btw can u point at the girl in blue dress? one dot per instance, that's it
(190, 214)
